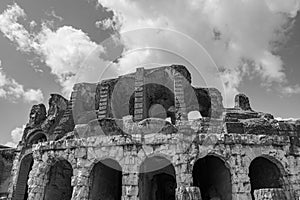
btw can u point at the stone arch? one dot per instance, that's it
(212, 175)
(145, 153)
(157, 179)
(59, 181)
(36, 137)
(214, 154)
(266, 172)
(98, 157)
(158, 154)
(21, 190)
(105, 181)
(159, 102)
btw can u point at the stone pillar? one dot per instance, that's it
(37, 180)
(293, 189)
(241, 187)
(180, 106)
(185, 190)
(216, 99)
(130, 186)
(67, 118)
(139, 101)
(242, 102)
(14, 175)
(188, 193)
(80, 184)
(269, 194)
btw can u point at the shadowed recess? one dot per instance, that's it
(157, 179)
(59, 181)
(213, 178)
(264, 174)
(106, 181)
(21, 192)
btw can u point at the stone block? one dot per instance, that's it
(234, 127)
(269, 194)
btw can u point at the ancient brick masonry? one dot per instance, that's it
(6, 161)
(131, 138)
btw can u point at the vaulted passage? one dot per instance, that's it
(21, 191)
(213, 178)
(106, 181)
(264, 174)
(59, 181)
(157, 180)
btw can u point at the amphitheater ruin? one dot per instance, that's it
(133, 137)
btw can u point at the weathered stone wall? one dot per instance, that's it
(6, 162)
(111, 122)
(237, 151)
(19, 176)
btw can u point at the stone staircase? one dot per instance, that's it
(103, 102)
(139, 95)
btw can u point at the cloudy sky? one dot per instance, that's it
(244, 46)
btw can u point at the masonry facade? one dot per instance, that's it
(133, 138)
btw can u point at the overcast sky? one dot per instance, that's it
(238, 46)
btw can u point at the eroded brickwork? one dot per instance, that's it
(237, 152)
(116, 147)
(6, 160)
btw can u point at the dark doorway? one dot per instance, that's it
(59, 181)
(157, 180)
(213, 178)
(106, 181)
(21, 191)
(264, 174)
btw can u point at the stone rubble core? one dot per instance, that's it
(132, 138)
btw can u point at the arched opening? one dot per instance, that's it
(159, 102)
(59, 181)
(21, 191)
(106, 181)
(213, 178)
(263, 173)
(36, 138)
(157, 179)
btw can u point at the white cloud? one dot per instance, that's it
(240, 36)
(290, 7)
(290, 90)
(16, 136)
(232, 31)
(32, 95)
(15, 31)
(12, 90)
(63, 50)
